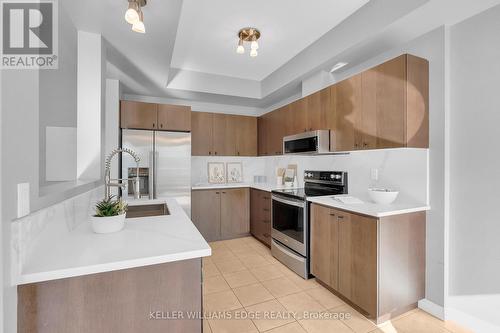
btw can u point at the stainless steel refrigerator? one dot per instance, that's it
(165, 166)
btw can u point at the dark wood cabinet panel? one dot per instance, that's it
(222, 135)
(324, 245)
(235, 215)
(296, 121)
(174, 118)
(138, 115)
(245, 136)
(206, 214)
(221, 214)
(277, 122)
(263, 134)
(348, 114)
(201, 134)
(319, 110)
(260, 215)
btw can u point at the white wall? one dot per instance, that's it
(112, 119)
(475, 166)
(90, 94)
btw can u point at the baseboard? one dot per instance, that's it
(470, 322)
(474, 312)
(431, 308)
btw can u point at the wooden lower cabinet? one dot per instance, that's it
(260, 215)
(221, 214)
(375, 264)
(126, 301)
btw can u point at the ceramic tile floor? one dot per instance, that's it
(248, 286)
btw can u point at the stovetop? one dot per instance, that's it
(318, 183)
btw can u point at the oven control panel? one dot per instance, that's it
(325, 176)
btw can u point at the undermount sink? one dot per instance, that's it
(147, 210)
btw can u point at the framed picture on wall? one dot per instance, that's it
(216, 173)
(234, 172)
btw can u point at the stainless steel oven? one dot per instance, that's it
(289, 222)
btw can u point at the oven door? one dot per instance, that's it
(289, 223)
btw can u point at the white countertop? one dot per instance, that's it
(143, 241)
(258, 186)
(400, 206)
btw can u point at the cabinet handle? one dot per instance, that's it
(215, 153)
(238, 153)
(217, 192)
(365, 144)
(331, 214)
(340, 217)
(153, 125)
(266, 209)
(223, 192)
(266, 235)
(209, 153)
(161, 125)
(266, 221)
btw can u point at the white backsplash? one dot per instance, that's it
(404, 169)
(53, 220)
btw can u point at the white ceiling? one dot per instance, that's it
(188, 52)
(207, 33)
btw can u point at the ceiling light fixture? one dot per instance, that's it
(338, 66)
(251, 35)
(135, 16)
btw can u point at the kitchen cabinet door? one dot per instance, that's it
(358, 260)
(138, 115)
(260, 215)
(276, 130)
(319, 108)
(391, 103)
(201, 134)
(246, 136)
(348, 114)
(224, 135)
(205, 213)
(296, 121)
(234, 212)
(174, 118)
(262, 135)
(324, 245)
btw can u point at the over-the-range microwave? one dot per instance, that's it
(314, 142)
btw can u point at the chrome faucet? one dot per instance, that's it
(121, 183)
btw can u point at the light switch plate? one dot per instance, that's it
(374, 174)
(23, 199)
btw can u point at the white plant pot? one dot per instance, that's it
(108, 224)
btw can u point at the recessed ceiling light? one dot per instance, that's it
(338, 66)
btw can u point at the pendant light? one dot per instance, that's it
(251, 35)
(135, 16)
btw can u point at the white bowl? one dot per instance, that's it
(383, 196)
(108, 224)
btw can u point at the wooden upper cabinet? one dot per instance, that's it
(223, 135)
(138, 115)
(296, 121)
(277, 130)
(246, 136)
(262, 135)
(347, 114)
(174, 118)
(417, 102)
(319, 110)
(201, 133)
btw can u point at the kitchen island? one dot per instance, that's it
(139, 279)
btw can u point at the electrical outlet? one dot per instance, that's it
(374, 174)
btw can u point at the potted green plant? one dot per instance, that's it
(109, 216)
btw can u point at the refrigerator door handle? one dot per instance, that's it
(155, 174)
